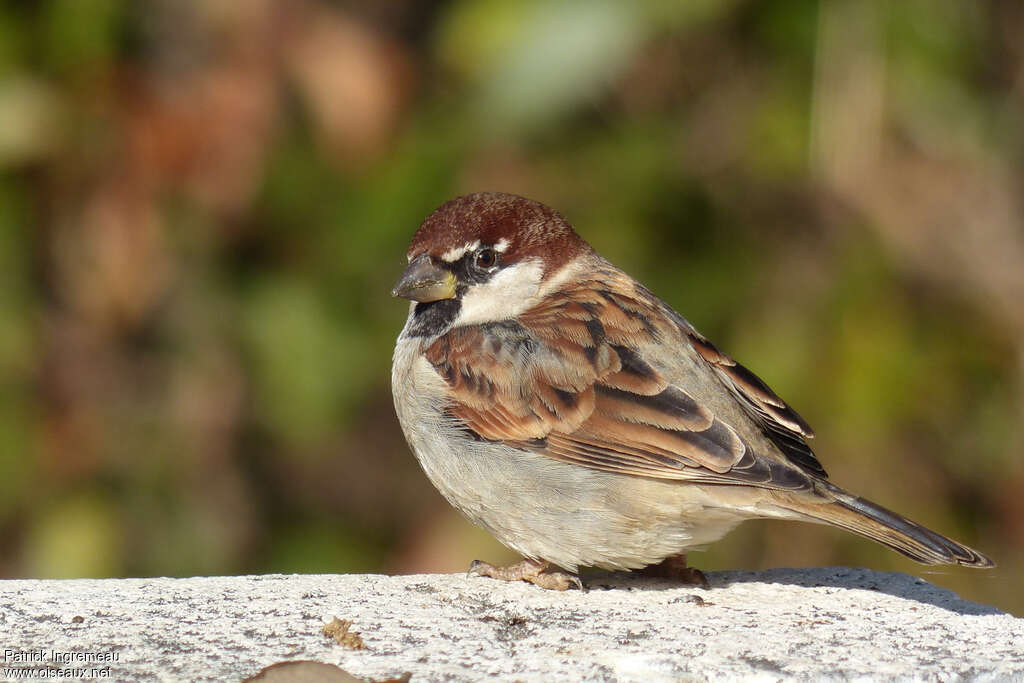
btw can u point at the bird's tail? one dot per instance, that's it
(867, 519)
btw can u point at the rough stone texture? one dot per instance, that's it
(781, 624)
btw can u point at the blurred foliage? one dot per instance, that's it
(203, 207)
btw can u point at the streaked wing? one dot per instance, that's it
(564, 380)
(780, 422)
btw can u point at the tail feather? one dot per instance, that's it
(888, 528)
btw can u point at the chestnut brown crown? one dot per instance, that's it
(521, 228)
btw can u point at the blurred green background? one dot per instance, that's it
(203, 206)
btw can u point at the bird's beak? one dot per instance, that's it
(424, 281)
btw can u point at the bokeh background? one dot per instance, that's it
(203, 206)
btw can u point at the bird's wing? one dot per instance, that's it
(565, 379)
(777, 419)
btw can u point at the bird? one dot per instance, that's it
(556, 402)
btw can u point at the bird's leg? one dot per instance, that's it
(675, 568)
(537, 572)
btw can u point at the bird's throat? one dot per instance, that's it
(433, 318)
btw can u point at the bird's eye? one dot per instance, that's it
(485, 258)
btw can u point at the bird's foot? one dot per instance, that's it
(538, 572)
(675, 568)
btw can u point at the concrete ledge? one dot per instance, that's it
(779, 624)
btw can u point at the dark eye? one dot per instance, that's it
(485, 258)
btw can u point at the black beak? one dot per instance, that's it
(425, 281)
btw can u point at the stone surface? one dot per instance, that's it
(770, 625)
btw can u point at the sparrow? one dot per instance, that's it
(559, 404)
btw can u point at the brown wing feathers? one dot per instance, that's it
(780, 422)
(564, 377)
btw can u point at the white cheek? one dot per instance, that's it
(506, 295)
(560, 277)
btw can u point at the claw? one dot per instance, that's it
(537, 572)
(479, 568)
(675, 568)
